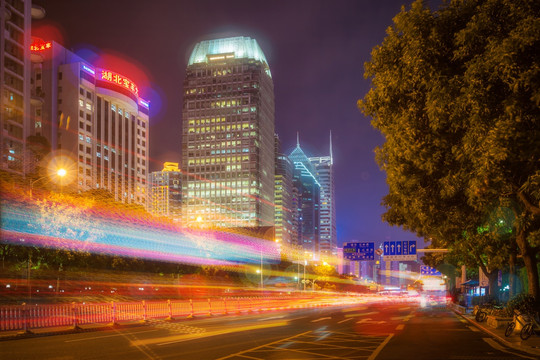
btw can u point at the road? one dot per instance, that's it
(375, 330)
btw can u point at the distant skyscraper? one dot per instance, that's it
(285, 213)
(15, 20)
(305, 179)
(165, 192)
(228, 135)
(324, 167)
(96, 116)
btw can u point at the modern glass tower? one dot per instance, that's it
(164, 193)
(228, 135)
(309, 189)
(324, 166)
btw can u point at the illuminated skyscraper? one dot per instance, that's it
(94, 115)
(286, 212)
(309, 188)
(15, 19)
(165, 192)
(228, 135)
(324, 166)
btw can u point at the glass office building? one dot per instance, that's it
(228, 135)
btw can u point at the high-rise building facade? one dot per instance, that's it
(309, 188)
(285, 213)
(324, 167)
(165, 192)
(15, 22)
(93, 115)
(228, 135)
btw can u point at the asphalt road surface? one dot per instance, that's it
(383, 331)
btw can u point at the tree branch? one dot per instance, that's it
(528, 205)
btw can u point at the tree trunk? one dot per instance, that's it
(531, 265)
(493, 277)
(512, 275)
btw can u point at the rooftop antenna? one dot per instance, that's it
(297, 139)
(331, 156)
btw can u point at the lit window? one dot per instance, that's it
(89, 107)
(81, 103)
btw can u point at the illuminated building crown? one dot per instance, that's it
(240, 47)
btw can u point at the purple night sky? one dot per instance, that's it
(315, 49)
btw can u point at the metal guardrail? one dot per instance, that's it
(25, 317)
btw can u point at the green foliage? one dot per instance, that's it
(456, 93)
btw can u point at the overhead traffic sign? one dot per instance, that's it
(428, 270)
(399, 250)
(359, 251)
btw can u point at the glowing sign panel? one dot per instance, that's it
(40, 46)
(88, 69)
(112, 77)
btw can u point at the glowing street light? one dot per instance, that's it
(61, 172)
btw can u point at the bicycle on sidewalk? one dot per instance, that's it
(529, 325)
(481, 312)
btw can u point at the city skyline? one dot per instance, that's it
(297, 52)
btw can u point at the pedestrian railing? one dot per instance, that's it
(25, 317)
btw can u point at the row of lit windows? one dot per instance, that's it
(232, 127)
(215, 160)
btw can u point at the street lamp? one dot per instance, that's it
(60, 173)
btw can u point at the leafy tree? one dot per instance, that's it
(456, 93)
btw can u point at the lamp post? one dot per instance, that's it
(60, 173)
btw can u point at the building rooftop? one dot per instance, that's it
(239, 47)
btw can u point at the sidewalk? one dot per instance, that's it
(59, 330)
(530, 346)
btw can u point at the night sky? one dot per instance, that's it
(315, 49)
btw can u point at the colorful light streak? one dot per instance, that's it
(102, 231)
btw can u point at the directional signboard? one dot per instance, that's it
(399, 250)
(428, 270)
(359, 251)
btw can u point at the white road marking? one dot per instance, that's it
(272, 317)
(380, 347)
(321, 319)
(497, 346)
(106, 336)
(400, 327)
(473, 328)
(342, 321)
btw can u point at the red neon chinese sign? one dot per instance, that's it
(112, 77)
(40, 46)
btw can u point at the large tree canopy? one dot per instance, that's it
(456, 93)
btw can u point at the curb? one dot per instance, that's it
(529, 350)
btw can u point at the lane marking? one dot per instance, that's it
(342, 321)
(380, 347)
(362, 314)
(107, 336)
(400, 327)
(271, 318)
(355, 309)
(398, 318)
(473, 328)
(258, 347)
(499, 347)
(166, 340)
(321, 319)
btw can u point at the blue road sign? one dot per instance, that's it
(399, 250)
(359, 251)
(428, 270)
(412, 247)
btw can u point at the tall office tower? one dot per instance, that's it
(228, 135)
(165, 192)
(96, 117)
(305, 179)
(324, 166)
(15, 24)
(285, 213)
